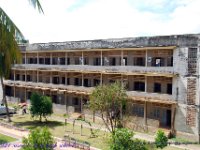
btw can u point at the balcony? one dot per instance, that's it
(101, 69)
(144, 96)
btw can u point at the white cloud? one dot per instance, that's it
(100, 19)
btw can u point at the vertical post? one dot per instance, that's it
(25, 76)
(37, 76)
(82, 58)
(146, 59)
(66, 58)
(82, 79)
(145, 83)
(14, 91)
(81, 104)
(25, 95)
(145, 113)
(122, 58)
(37, 57)
(25, 58)
(101, 80)
(173, 111)
(101, 59)
(14, 75)
(51, 59)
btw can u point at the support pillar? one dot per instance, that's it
(146, 59)
(82, 58)
(81, 104)
(25, 59)
(37, 76)
(101, 80)
(37, 58)
(101, 59)
(173, 113)
(66, 55)
(145, 83)
(51, 59)
(122, 58)
(82, 80)
(145, 113)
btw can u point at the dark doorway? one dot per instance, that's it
(169, 88)
(168, 123)
(113, 61)
(56, 80)
(86, 83)
(54, 99)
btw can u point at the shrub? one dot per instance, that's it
(39, 139)
(122, 140)
(41, 106)
(161, 139)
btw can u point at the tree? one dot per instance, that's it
(9, 51)
(161, 139)
(109, 101)
(41, 106)
(39, 139)
(122, 140)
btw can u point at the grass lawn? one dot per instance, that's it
(58, 129)
(6, 139)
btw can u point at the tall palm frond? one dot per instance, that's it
(36, 4)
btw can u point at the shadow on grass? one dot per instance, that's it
(2, 141)
(35, 123)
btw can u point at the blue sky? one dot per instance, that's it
(66, 20)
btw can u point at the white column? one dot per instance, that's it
(82, 80)
(82, 58)
(101, 80)
(37, 76)
(66, 58)
(25, 59)
(51, 59)
(14, 75)
(25, 76)
(146, 59)
(101, 59)
(122, 57)
(145, 83)
(37, 58)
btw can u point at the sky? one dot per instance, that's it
(69, 20)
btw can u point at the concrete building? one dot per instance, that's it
(160, 73)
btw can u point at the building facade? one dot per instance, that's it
(161, 75)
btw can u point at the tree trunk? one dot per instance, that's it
(4, 100)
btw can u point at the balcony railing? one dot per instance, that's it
(88, 90)
(111, 69)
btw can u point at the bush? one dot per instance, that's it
(41, 106)
(39, 139)
(161, 139)
(122, 140)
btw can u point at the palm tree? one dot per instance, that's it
(9, 51)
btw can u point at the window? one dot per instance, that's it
(157, 61)
(169, 88)
(68, 81)
(47, 61)
(86, 61)
(63, 80)
(113, 61)
(96, 82)
(157, 87)
(17, 77)
(23, 77)
(41, 60)
(68, 61)
(139, 86)
(28, 78)
(75, 101)
(77, 61)
(62, 61)
(139, 61)
(56, 80)
(170, 61)
(77, 81)
(156, 113)
(97, 61)
(138, 110)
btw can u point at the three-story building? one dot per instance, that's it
(160, 73)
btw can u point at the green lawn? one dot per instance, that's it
(58, 129)
(6, 139)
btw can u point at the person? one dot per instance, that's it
(24, 110)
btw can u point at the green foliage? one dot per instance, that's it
(122, 140)
(41, 106)
(161, 139)
(109, 101)
(39, 139)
